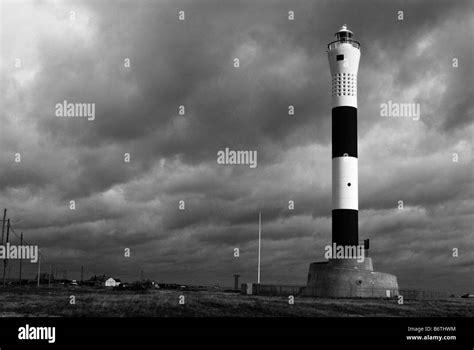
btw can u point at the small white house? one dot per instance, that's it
(111, 282)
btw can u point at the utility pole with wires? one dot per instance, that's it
(259, 243)
(3, 223)
(39, 267)
(21, 243)
(5, 261)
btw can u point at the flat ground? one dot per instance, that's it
(93, 302)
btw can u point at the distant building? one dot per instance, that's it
(112, 282)
(96, 281)
(102, 281)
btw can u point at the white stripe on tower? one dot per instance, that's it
(345, 183)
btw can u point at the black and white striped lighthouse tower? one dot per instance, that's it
(343, 277)
(344, 56)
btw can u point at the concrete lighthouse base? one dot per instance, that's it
(347, 278)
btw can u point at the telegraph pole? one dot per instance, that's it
(50, 272)
(3, 223)
(5, 260)
(259, 243)
(21, 243)
(39, 268)
(82, 273)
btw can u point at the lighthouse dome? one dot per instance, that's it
(344, 33)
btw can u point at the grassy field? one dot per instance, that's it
(165, 303)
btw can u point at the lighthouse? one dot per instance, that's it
(344, 56)
(346, 276)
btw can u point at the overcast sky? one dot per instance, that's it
(135, 205)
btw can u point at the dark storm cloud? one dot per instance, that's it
(173, 157)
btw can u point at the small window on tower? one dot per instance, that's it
(340, 57)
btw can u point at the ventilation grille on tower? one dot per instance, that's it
(344, 84)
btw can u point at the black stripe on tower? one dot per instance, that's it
(344, 131)
(345, 226)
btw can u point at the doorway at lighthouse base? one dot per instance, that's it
(348, 278)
